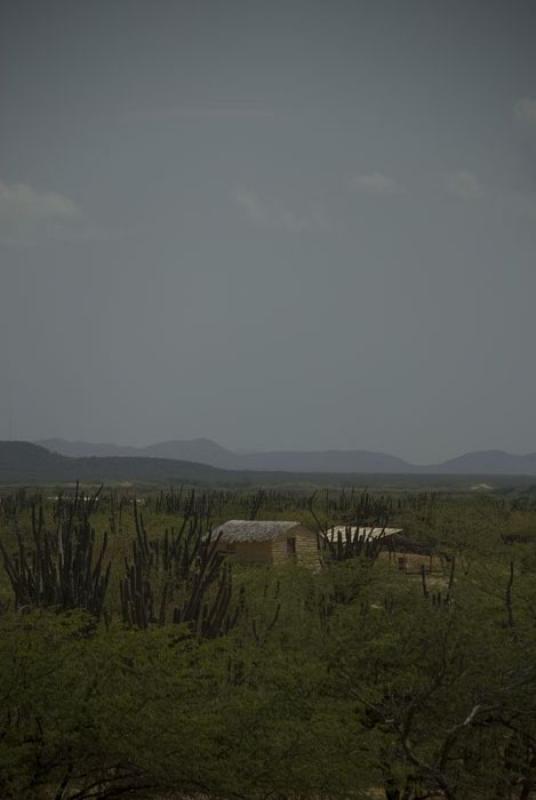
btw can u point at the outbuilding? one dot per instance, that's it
(353, 533)
(269, 542)
(410, 556)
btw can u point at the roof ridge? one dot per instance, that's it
(254, 529)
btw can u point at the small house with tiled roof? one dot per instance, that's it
(268, 542)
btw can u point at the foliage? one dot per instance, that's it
(354, 682)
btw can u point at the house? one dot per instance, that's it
(268, 542)
(353, 533)
(410, 556)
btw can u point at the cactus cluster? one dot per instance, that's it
(189, 572)
(64, 570)
(347, 546)
(362, 511)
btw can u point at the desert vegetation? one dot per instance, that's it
(137, 661)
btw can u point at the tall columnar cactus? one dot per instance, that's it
(76, 506)
(362, 511)
(63, 570)
(191, 576)
(350, 544)
(11, 505)
(137, 600)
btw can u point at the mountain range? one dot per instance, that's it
(207, 452)
(24, 462)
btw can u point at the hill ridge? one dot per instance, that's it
(203, 450)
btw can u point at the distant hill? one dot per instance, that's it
(202, 451)
(87, 449)
(206, 451)
(326, 461)
(22, 462)
(487, 462)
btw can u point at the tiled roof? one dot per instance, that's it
(243, 530)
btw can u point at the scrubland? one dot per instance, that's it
(135, 661)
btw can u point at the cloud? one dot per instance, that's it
(376, 183)
(252, 205)
(463, 184)
(212, 111)
(28, 216)
(525, 110)
(271, 215)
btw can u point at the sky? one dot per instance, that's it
(281, 225)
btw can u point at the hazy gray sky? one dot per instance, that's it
(276, 224)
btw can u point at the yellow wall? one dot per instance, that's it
(275, 551)
(306, 548)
